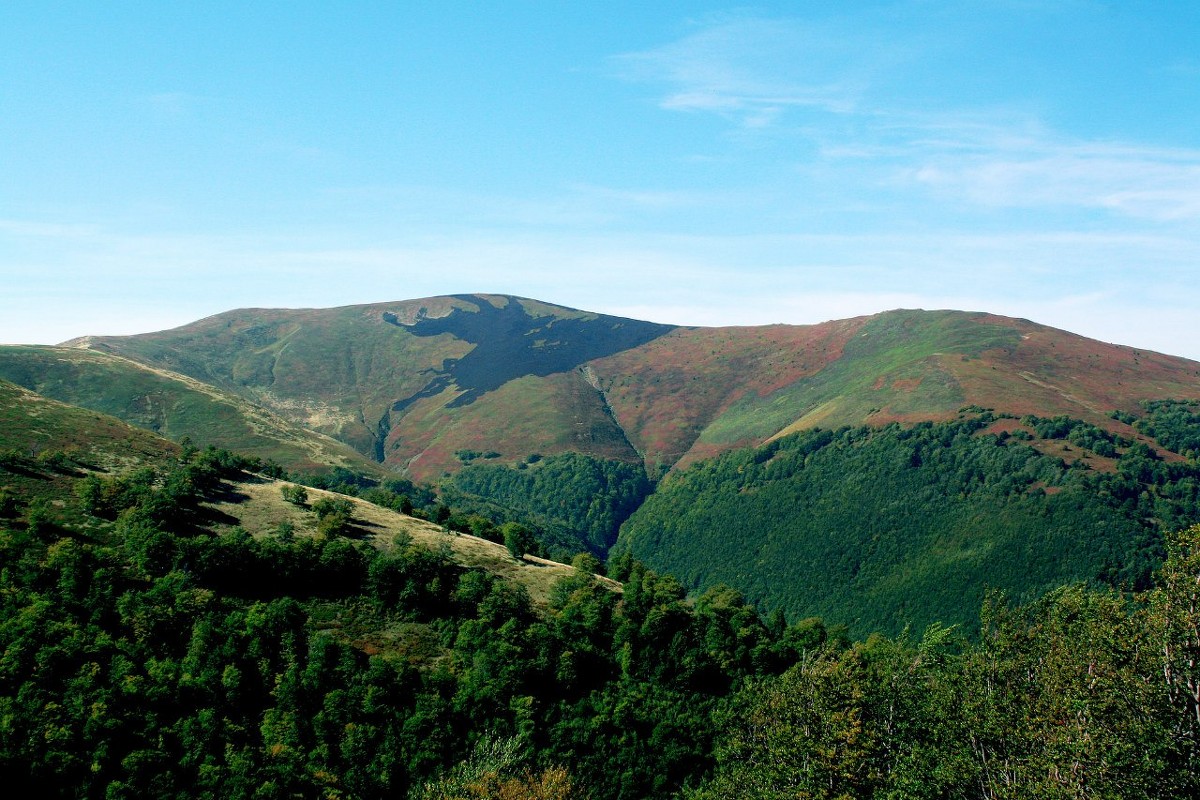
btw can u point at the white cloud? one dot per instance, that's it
(750, 69)
(19, 228)
(755, 71)
(1154, 184)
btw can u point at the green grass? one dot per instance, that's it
(899, 346)
(32, 425)
(34, 428)
(170, 406)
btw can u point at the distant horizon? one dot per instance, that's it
(577, 308)
(699, 164)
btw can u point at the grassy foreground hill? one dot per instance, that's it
(48, 447)
(172, 405)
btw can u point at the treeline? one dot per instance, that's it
(882, 528)
(512, 525)
(159, 660)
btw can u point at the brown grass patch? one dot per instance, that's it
(665, 393)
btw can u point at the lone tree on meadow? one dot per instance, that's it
(518, 539)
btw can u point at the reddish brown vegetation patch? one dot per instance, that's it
(1053, 372)
(666, 392)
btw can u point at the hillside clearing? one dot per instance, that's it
(258, 506)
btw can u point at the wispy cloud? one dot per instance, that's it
(1148, 183)
(752, 70)
(643, 199)
(55, 230)
(821, 80)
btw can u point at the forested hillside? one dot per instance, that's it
(883, 528)
(579, 501)
(154, 648)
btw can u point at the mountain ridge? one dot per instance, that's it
(605, 432)
(410, 383)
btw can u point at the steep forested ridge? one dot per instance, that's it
(885, 528)
(587, 497)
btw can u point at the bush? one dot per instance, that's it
(328, 506)
(56, 461)
(294, 493)
(334, 524)
(11, 459)
(8, 504)
(334, 516)
(518, 539)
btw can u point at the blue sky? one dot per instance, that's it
(703, 164)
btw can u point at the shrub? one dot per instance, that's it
(295, 494)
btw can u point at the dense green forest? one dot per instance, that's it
(577, 500)
(147, 657)
(1175, 424)
(883, 528)
(161, 660)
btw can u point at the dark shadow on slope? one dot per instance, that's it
(509, 343)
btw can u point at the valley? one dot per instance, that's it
(581, 554)
(591, 427)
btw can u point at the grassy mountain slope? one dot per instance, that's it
(410, 383)
(531, 414)
(47, 446)
(698, 392)
(336, 371)
(172, 405)
(33, 426)
(667, 393)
